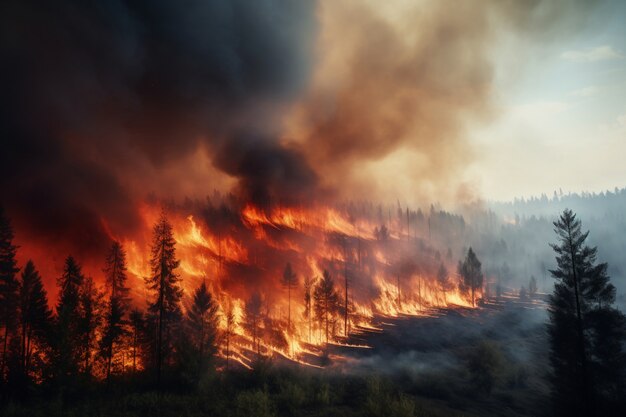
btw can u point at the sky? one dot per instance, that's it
(562, 114)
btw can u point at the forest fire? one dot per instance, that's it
(378, 266)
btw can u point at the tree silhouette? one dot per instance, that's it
(34, 318)
(67, 340)
(114, 321)
(289, 281)
(137, 326)
(202, 322)
(91, 306)
(164, 283)
(8, 286)
(326, 301)
(470, 272)
(586, 333)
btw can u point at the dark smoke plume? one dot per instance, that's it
(103, 100)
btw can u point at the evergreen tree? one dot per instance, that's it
(164, 283)
(470, 271)
(67, 340)
(115, 324)
(8, 287)
(34, 318)
(202, 323)
(91, 307)
(326, 302)
(586, 333)
(289, 281)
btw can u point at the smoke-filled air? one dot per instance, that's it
(313, 207)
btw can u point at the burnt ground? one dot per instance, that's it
(430, 356)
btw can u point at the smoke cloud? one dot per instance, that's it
(106, 102)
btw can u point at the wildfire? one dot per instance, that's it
(249, 255)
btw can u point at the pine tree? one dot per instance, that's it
(470, 271)
(164, 282)
(586, 333)
(115, 324)
(326, 301)
(34, 318)
(202, 322)
(67, 342)
(289, 281)
(8, 287)
(91, 307)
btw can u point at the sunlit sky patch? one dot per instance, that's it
(562, 120)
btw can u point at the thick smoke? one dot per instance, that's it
(105, 102)
(399, 83)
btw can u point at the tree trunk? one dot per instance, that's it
(579, 326)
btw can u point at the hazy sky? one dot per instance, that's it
(562, 113)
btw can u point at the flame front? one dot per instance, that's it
(389, 273)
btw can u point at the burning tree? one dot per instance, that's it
(586, 332)
(164, 282)
(326, 302)
(471, 274)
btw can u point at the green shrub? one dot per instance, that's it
(254, 403)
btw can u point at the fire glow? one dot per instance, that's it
(246, 253)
